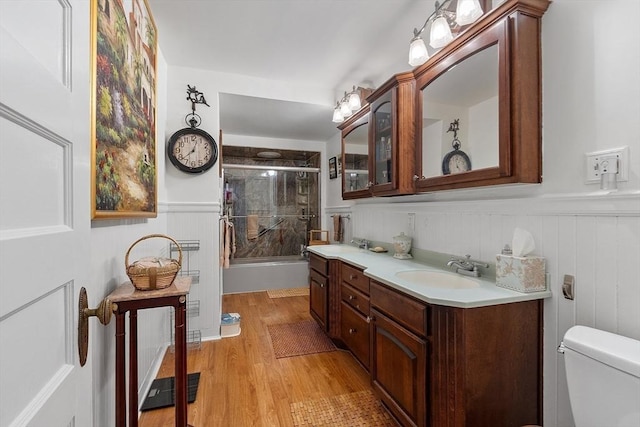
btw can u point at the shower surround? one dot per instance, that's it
(273, 205)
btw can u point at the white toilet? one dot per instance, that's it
(603, 375)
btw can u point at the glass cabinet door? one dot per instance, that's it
(382, 143)
(355, 157)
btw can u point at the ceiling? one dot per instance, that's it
(332, 44)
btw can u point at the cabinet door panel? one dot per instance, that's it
(398, 369)
(355, 333)
(318, 298)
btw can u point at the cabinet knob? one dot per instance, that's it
(352, 276)
(351, 297)
(352, 331)
(371, 319)
(322, 285)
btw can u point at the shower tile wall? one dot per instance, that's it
(282, 201)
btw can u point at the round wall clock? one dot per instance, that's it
(456, 161)
(192, 150)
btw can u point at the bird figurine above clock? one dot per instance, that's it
(192, 150)
(456, 160)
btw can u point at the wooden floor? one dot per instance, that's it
(243, 384)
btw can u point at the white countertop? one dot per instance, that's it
(383, 268)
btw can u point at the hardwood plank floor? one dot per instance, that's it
(243, 384)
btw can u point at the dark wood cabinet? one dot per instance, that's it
(486, 365)
(434, 365)
(399, 356)
(355, 155)
(354, 312)
(355, 333)
(378, 142)
(470, 116)
(391, 136)
(480, 97)
(324, 293)
(318, 298)
(438, 366)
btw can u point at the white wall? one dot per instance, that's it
(591, 101)
(194, 201)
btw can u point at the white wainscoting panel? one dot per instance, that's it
(197, 221)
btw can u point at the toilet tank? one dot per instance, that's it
(603, 376)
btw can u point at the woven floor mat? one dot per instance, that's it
(347, 410)
(288, 292)
(296, 339)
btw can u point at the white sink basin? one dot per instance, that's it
(339, 249)
(437, 279)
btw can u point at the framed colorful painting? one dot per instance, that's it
(123, 110)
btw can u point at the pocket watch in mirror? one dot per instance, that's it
(456, 160)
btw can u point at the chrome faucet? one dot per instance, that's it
(467, 266)
(362, 243)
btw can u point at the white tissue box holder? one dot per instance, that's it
(522, 274)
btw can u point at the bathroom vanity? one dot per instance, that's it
(441, 349)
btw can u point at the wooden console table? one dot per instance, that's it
(127, 298)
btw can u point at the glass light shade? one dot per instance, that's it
(468, 11)
(354, 101)
(344, 109)
(337, 115)
(418, 54)
(440, 33)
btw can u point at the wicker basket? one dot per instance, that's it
(152, 273)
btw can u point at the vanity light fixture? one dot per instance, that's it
(441, 21)
(350, 103)
(337, 114)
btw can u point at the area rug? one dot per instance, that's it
(288, 292)
(346, 410)
(296, 339)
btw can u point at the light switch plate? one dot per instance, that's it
(592, 160)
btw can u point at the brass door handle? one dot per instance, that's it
(103, 312)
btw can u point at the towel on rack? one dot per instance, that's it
(337, 228)
(252, 227)
(229, 243)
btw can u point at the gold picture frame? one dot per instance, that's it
(124, 158)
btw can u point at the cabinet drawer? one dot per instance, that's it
(355, 277)
(319, 264)
(355, 299)
(318, 278)
(408, 312)
(355, 334)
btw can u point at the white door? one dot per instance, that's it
(44, 211)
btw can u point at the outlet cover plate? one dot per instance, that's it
(592, 160)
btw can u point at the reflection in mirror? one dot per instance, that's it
(467, 92)
(356, 167)
(383, 143)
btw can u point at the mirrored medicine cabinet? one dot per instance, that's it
(478, 105)
(470, 116)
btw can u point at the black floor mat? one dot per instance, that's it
(161, 394)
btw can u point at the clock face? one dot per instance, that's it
(456, 161)
(192, 150)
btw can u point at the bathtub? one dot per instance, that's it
(261, 274)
